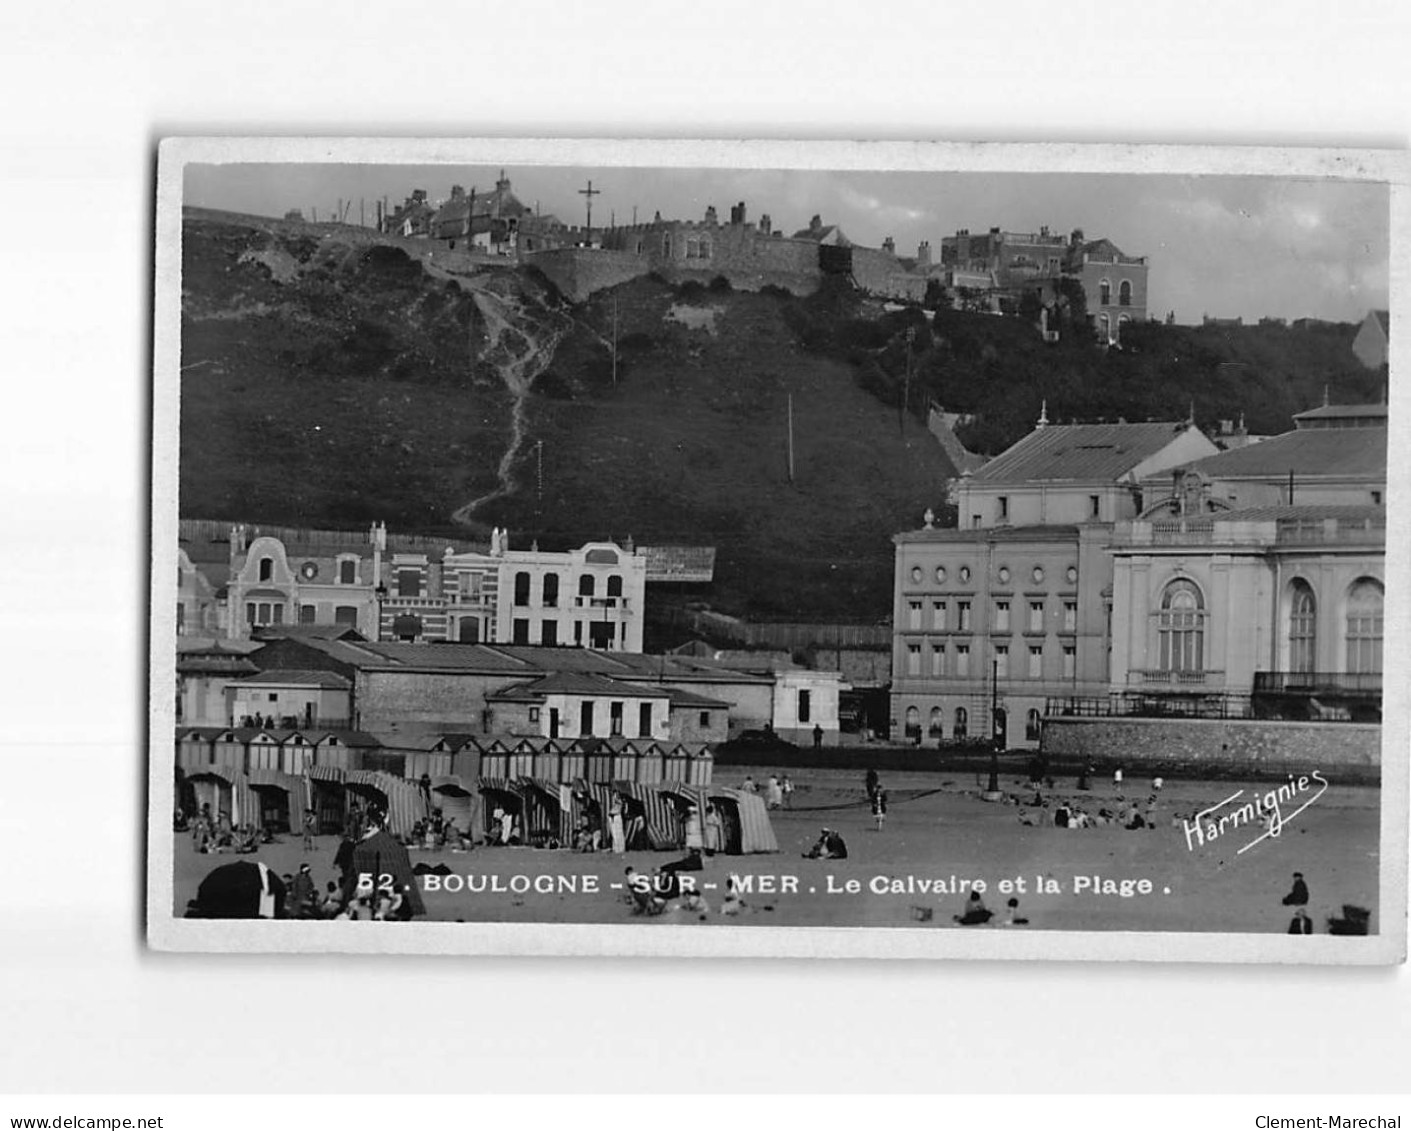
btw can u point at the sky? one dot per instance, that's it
(1226, 246)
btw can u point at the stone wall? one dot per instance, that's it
(579, 272)
(1344, 752)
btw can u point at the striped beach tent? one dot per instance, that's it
(745, 821)
(224, 790)
(280, 799)
(327, 797)
(662, 827)
(550, 811)
(399, 798)
(498, 793)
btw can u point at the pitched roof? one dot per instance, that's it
(990, 534)
(1344, 412)
(307, 632)
(577, 683)
(1311, 451)
(561, 659)
(689, 699)
(1079, 452)
(433, 657)
(300, 678)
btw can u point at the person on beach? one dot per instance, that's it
(310, 827)
(879, 808)
(871, 783)
(1014, 919)
(773, 793)
(1300, 924)
(786, 787)
(829, 846)
(695, 836)
(975, 912)
(714, 831)
(1298, 894)
(616, 829)
(748, 785)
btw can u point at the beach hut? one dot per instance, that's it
(651, 763)
(625, 756)
(216, 786)
(261, 751)
(279, 800)
(700, 766)
(598, 759)
(335, 748)
(398, 798)
(495, 760)
(327, 797)
(456, 800)
(573, 763)
(675, 767)
(744, 821)
(228, 748)
(550, 812)
(466, 759)
(548, 761)
(296, 752)
(522, 758)
(195, 748)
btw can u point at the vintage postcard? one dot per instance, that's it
(763, 548)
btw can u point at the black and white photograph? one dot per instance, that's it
(756, 548)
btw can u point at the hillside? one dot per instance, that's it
(331, 379)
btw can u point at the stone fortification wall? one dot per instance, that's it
(1344, 752)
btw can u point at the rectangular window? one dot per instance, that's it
(307, 614)
(549, 633)
(704, 721)
(913, 609)
(1001, 616)
(180, 616)
(250, 613)
(471, 584)
(585, 718)
(615, 718)
(279, 614)
(1094, 506)
(534, 715)
(1004, 508)
(521, 630)
(805, 703)
(962, 659)
(1036, 616)
(913, 659)
(1070, 616)
(409, 583)
(1001, 661)
(938, 659)
(1036, 663)
(938, 615)
(975, 522)
(644, 720)
(1070, 661)
(347, 572)
(962, 612)
(346, 615)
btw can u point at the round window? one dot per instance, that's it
(941, 574)
(1004, 574)
(1038, 573)
(1072, 573)
(916, 574)
(964, 573)
(309, 570)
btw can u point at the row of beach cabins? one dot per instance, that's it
(268, 778)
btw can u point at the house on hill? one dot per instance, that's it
(489, 221)
(412, 217)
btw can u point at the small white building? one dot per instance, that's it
(304, 699)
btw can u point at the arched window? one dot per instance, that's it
(347, 572)
(585, 585)
(266, 568)
(1104, 326)
(521, 588)
(937, 727)
(913, 723)
(1182, 628)
(962, 723)
(1303, 629)
(1364, 627)
(551, 590)
(1032, 724)
(1124, 293)
(1104, 293)
(614, 586)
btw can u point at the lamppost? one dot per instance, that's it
(992, 792)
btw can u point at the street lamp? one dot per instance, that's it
(992, 792)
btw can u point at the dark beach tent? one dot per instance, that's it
(456, 800)
(327, 797)
(383, 858)
(280, 800)
(242, 890)
(663, 825)
(499, 793)
(550, 811)
(215, 786)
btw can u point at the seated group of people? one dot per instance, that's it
(829, 846)
(437, 831)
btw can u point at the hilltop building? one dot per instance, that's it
(412, 218)
(488, 221)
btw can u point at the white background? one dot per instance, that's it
(88, 89)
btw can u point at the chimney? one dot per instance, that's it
(766, 225)
(923, 253)
(815, 223)
(710, 214)
(457, 192)
(889, 245)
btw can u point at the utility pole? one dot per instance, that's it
(362, 212)
(791, 438)
(906, 386)
(589, 193)
(614, 341)
(539, 475)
